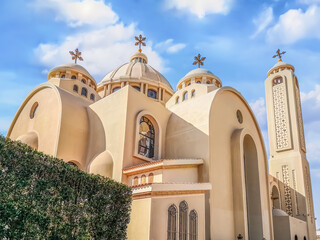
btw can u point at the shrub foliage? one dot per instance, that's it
(42, 197)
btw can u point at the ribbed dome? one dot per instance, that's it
(279, 65)
(71, 66)
(135, 70)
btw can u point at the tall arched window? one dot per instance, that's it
(84, 92)
(150, 178)
(295, 237)
(183, 220)
(92, 96)
(73, 77)
(75, 88)
(185, 96)
(193, 225)
(177, 99)
(193, 93)
(146, 138)
(172, 222)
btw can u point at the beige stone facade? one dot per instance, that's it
(194, 158)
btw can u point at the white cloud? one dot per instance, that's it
(295, 25)
(309, 1)
(263, 20)
(200, 8)
(259, 109)
(169, 47)
(105, 43)
(77, 13)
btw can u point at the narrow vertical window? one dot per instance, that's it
(75, 88)
(92, 96)
(172, 222)
(183, 220)
(143, 179)
(193, 225)
(84, 92)
(150, 178)
(193, 93)
(146, 138)
(135, 181)
(185, 96)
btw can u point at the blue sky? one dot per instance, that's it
(238, 38)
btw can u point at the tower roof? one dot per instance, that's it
(280, 65)
(71, 66)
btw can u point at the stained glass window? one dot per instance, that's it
(146, 138)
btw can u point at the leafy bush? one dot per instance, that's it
(42, 197)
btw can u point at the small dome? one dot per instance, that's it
(136, 69)
(71, 66)
(280, 65)
(198, 72)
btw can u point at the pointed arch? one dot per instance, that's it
(172, 222)
(193, 225)
(183, 220)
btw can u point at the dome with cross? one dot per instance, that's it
(199, 75)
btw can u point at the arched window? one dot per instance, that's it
(172, 222)
(185, 96)
(150, 178)
(135, 181)
(92, 96)
(304, 238)
(116, 89)
(189, 83)
(73, 77)
(295, 237)
(177, 99)
(143, 179)
(198, 82)
(193, 93)
(63, 76)
(83, 81)
(208, 82)
(146, 138)
(34, 109)
(84, 92)
(277, 81)
(183, 220)
(152, 93)
(193, 225)
(75, 88)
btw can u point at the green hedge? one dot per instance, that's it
(42, 197)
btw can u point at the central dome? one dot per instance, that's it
(136, 69)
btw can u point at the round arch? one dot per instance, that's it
(158, 138)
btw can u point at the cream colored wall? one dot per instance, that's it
(68, 84)
(159, 214)
(180, 175)
(188, 133)
(286, 227)
(226, 139)
(46, 123)
(140, 220)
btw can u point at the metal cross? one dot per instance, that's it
(76, 55)
(199, 60)
(140, 41)
(279, 55)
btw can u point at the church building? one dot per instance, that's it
(194, 157)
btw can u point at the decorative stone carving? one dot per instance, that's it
(281, 112)
(287, 192)
(300, 120)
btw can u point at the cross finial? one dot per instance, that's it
(140, 41)
(199, 60)
(76, 55)
(279, 55)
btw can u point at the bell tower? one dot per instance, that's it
(287, 160)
